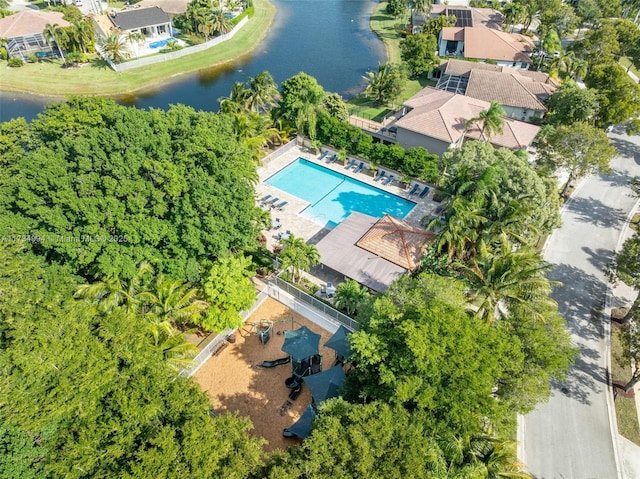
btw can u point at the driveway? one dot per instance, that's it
(570, 436)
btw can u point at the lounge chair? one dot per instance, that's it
(387, 180)
(424, 192)
(332, 158)
(324, 153)
(280, 206)
(272, 202)
(264, 199)
(381, 173)
(350, 164)
(359, 168)
(415, 189)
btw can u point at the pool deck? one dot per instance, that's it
(312, 232)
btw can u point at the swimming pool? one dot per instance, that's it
(334, 196)
(160, 43)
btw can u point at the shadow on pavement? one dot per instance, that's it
(599, 258)
(589, 210)
(627, 148)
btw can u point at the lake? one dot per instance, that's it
(328, 39)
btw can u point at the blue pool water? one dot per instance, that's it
(334, 196)
(160, 43)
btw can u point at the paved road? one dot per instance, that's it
(570, 437)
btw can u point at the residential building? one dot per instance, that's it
(23, 32)
(465, 17)
(522, 93)
(486, 45)
(438, 120)
(152, 22)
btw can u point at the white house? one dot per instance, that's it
(152, 22)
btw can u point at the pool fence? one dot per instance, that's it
(311, 308)
(287, 147)
(164, 57)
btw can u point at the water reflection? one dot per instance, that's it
(328, 39)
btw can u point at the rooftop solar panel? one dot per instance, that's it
(463, 17)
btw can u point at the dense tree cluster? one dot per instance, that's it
(100, 187)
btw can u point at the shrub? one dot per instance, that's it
(16, 62)
(32, 57)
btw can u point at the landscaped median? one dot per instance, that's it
(50, 79)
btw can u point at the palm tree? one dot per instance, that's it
(305, 110)
(349, 295)
(513, 14)
(383, 85)
(135, 39)
(177, 351)
(298, 256)
(113, 292)
(504, 276)
(114, 47)
(220, 24)
(458, 235)
(83, 33)
(262, 93)
(492, 120)
(236, 100)
(54, 33)
(171, 301)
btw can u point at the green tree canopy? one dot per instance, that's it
(619, 95)
(570, 104)
(580, 149)
(384, 85)
(301, 101)
(99, 187)
(419, 52)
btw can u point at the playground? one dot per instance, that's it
(235, 380)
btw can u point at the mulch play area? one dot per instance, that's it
(235, 381)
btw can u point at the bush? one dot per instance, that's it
(32, 57)
(16, 62)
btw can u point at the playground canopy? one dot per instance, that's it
(302, 427)
(301, 343)
(325, 385)
(339, 342)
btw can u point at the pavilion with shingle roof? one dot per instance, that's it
(373, 251)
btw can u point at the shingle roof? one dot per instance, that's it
(29, 22)
(139, 18)
(442, 115)
(396, 241)
(496, 45)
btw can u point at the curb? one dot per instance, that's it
(607, 331)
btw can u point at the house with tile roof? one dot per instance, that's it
(23, 32)
(465, 17)
(437, 120)
(152, 22)
(486, 44)
(522, 93)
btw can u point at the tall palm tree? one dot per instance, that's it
(177, 351)
(54, 33)
(298, 256)
(262, 93)
(236, 100)
(305, 109)
(459, 234)
(504, 276)
(492, 120)
(513, 14)
(83, 33)
(115, 47)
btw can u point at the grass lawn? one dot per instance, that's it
(50, 79)
(387, 28)
(626, 412)
(624, 61)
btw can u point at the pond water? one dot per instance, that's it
(328, 39)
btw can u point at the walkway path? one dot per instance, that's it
(571, 435)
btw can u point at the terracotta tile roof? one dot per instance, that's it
(463, 67)
(442, 115)
(508, 88)
(29, 22)
(453, 33)
(396, 241)
(496, 45)
(174, 7)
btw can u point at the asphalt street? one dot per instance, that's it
(570, 436)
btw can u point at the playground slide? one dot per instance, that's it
(295, 392)
(275, 362)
